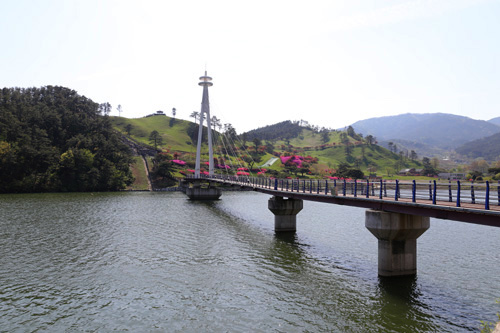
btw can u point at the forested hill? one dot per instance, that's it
(487, 148)
(52, 139)
(495, 121)
(284, 130)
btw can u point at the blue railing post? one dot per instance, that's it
(276, 184)
(326, 187)
(367, 188)
(472, 194)
(287, 184)
(498, 193)
(434, 194)
(396, 191)
(450, 195)
(355, 188)
(414, 191)
(458, 193)
(430, 190)
(381, 188)
(310, 186)
(317, 187)
(344, 188)
(304, 186)
(487, 199)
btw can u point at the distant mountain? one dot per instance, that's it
(487, 148)
(441, 130)
(495, 121)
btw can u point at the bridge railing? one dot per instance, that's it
(455, 192)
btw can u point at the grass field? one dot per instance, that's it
(139, 172)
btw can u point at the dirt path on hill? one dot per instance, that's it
(150, 188)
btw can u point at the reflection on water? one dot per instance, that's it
(159, 262)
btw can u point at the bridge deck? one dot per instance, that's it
(432, 206)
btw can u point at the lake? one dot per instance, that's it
(156, 262)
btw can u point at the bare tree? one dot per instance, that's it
(195, 115)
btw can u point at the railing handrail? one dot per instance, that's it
(432, 191)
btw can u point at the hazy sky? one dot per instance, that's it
(328, 62)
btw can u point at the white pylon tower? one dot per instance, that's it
(205, 112)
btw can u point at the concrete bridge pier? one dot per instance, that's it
(285, 213)
(197, 191)
(397, 235)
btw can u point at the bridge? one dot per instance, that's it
(397, 212)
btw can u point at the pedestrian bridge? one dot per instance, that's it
(477, 203)
(398, 211)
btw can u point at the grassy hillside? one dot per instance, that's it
(174, 133)
(329, 148)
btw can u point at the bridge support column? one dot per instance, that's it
(199, 192)
(285, 213)
(397, 240)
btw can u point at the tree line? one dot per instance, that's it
(53, 139)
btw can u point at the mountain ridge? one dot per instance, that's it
(442, 130)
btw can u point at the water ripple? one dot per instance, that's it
(159, 262)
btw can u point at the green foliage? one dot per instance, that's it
(352, 133)
(175, 137)
(251, 159)
(257, 142)
(283, 130)
(163, 170)
(488, 327)
(487, 148)
(128, 128)
(490, 170)
(325, 136)
(193, 130)
(361, 154)
(475, 175)
(344, 170)
(52, 139)
(429, 169)
(155, 138)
